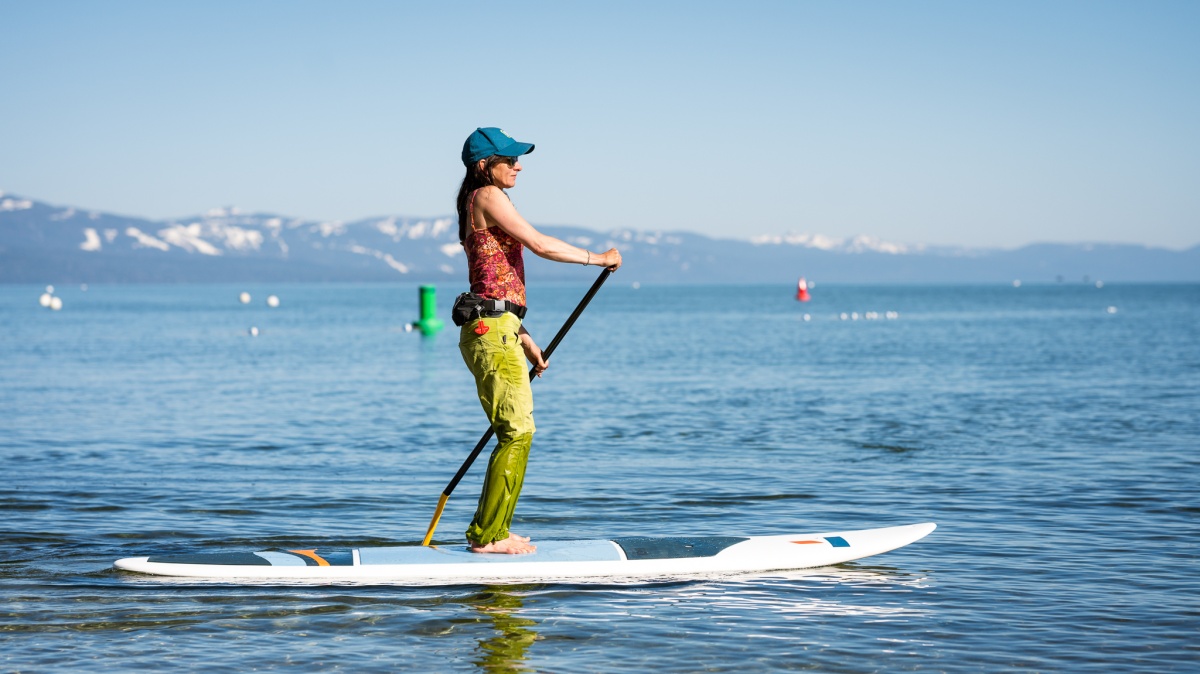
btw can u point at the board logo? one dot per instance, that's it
(835, 541)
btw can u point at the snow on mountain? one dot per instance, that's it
(420, 229)
(857, 244)
(144, 240)
(91, 241)
(15, 204)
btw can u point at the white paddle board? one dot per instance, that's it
(554, 560)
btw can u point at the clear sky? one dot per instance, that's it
(958, 123)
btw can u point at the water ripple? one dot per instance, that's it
(1052, 442)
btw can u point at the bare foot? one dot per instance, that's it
(515, 537)
(509, 546)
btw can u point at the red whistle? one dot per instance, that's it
(481, 329)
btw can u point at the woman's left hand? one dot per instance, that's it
(534, 353)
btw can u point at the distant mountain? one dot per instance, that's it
(41, 243)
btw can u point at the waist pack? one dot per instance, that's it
(469, 306)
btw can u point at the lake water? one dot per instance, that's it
(1051, 432)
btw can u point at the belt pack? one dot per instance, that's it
(469, 306)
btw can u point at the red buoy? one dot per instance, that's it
(802, 290)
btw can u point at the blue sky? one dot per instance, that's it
(955, 123)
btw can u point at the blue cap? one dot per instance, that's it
(485, 142)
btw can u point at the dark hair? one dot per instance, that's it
(475, 178)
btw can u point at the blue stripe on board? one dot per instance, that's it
(675, 548)
(837, 541)
(219, 558)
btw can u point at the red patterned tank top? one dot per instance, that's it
(494, 262)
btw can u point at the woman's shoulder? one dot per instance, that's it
(487, 193)
(492, 200)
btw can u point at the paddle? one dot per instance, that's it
(437, 515)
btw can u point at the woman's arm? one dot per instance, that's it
(498, 211)
(532, 351)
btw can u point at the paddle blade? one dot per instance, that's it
(437, 515)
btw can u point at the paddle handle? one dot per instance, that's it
(462, 471)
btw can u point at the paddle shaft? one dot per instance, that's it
(546, 352)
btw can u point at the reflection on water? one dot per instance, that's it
(507, 649)
(430, 359)
(761, 593)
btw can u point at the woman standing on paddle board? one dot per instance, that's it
(492, 340)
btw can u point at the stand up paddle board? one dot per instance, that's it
(553, 560)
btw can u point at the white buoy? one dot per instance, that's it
(1111, 310)
(45, 299)
(272, 301)
(807, 317)
(637, 284)
(844, 316)
(1099, 284)
(56, 303)
(854, 315)
(50, 290)
(254, 331)
(244, 298)
(1017, 283)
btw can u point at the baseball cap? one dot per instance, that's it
(487, 141)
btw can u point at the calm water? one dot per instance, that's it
(1054, 442)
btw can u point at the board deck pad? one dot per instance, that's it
(635, 556)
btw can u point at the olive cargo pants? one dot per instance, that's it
(502, 380)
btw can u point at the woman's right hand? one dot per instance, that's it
(611, 259)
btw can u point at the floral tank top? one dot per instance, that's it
(494, 262)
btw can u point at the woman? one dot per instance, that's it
(492, 342)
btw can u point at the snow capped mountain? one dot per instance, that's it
(15, 204)
(44, 243)
(858, 244)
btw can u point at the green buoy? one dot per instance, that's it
(429, 324)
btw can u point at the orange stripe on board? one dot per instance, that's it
(796, 542)
(311, 554)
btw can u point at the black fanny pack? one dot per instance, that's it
(470, 306)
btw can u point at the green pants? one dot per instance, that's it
(502, 380)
